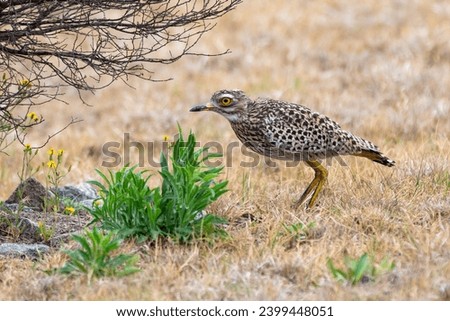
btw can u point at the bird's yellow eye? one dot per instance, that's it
(225, 101)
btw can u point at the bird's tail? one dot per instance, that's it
(376, 156)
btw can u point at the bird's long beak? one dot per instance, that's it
(207, 106)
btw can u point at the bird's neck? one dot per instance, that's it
(233, 118)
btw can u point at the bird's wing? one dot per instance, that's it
(295, 129)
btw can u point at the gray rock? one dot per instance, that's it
(31, 194)
(23, 250)
(29, 227)
(24, 225)
(78, 193)
(15, 208)
(83, 193)
(88, 203)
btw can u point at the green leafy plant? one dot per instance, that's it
(359, 270)
(299, 230)
(174, 210)
(71, 207)
(292, 234)
(127, 205)
(95, 256)
(46, 233)
(188, 187)
(29, 154)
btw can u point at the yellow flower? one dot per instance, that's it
(51, 151)
(33, 116)
(98, 203)
(27, 148)
(51, 164)
(25, 83)
(69, 210)
(60, 152)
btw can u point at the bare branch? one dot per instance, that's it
(105, 39)
(90, 44)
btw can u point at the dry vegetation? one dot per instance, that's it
(379, 68)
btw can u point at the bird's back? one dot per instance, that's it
(290, 131)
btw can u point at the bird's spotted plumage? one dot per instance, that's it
(289, 131)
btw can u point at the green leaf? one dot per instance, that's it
(361, 267)
(337, 273)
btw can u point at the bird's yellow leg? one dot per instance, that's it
(306, 193)
(315, 186)
(321, 176)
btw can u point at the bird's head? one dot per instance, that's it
(229, 103)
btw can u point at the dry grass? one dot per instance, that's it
(380, 68)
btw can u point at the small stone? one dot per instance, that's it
(23, 250)
(15, 208)
(29, 227)
(25, 225)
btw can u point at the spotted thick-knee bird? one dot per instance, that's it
(289, 131)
